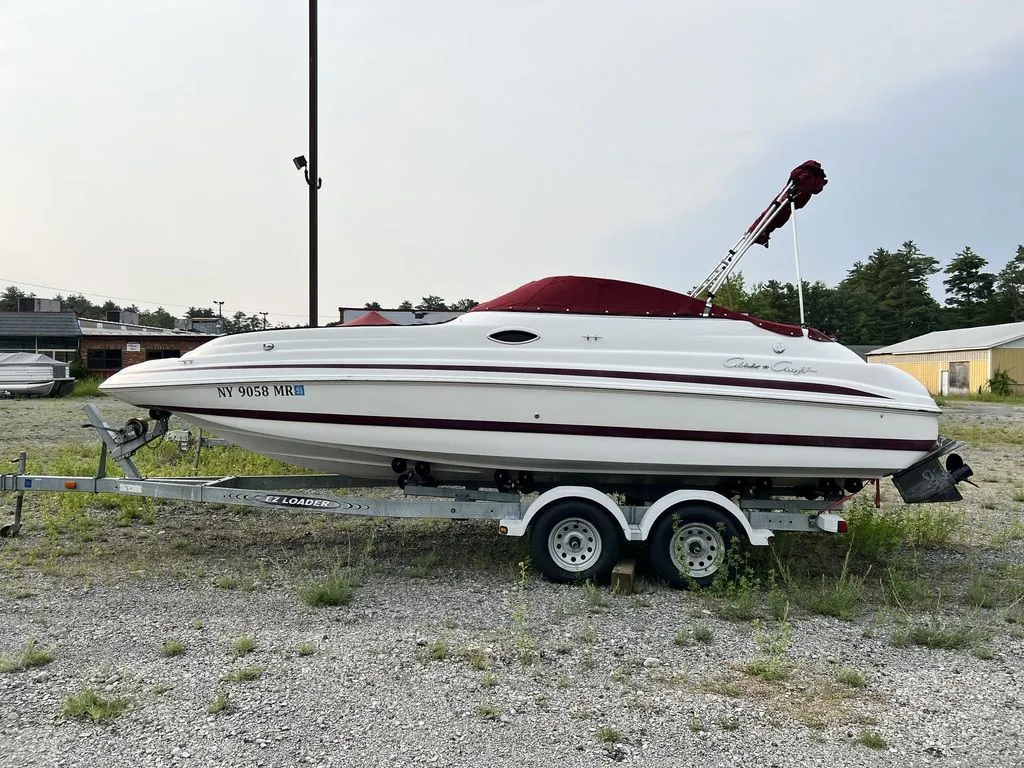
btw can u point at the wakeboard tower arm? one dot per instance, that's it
(805, 180)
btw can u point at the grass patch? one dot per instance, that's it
(336, 589)
(728, 723)
(243, 645)
(851, 677)
(89, 705)
(27, 659)
(436, 651)
(478, 658)
(219, 703)
(841, 596)
(936, 635)
(488, 712)
(872, 740)
(245, 674)
(88, 386)
(608, 734)
(172, 648)
(307, 648)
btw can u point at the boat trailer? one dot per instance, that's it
(576, 532)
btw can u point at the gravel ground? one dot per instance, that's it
(454, 660)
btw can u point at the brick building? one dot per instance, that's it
(107, 346)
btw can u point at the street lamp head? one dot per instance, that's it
(300, 162)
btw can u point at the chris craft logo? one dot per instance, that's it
(776, 366)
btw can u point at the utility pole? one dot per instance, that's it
(220, 305)
(264, 320)
(309, 168)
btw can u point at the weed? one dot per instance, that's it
(608, 734)
(728, 723)
(872, 739)
(219, 703)
(161, 688)
(489, 680)
(935, 635)
(778, 604)
(28, 658)
(245, 674)
(724, 687)
(336, 589)
(695, 724)
(307, 648)
(488, 712)
(172, 648)
(436, 651)
(88, 386)
(595, 598)
(87, 704)
(979, 593)
(738, 596)
(526, 645)
(702, 633)
(421, 565)
(841, 597)
(851, 677)
(983, 652)
(227, 582)
(588, 634)
(478, 658)
(773, 647)
(243, 645)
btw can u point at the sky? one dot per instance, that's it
(467, 147)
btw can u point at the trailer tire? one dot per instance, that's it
(573, 540)
(688, 545)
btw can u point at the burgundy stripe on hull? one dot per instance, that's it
(682, 378)
(583, 430)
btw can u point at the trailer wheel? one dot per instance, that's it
(688, 545)
(575, 541)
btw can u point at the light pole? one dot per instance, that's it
(312, 180)
(220, 305)
(264, 320)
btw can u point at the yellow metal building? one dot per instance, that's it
(959, 361)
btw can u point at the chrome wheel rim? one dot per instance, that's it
(697, 550)
(574, 544)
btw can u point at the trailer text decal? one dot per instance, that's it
(254, 391)
(310, 502)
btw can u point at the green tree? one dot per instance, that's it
(80, 305)
(158, 318)
(969, 290)
(372, 305)
(200, 312)
(9, 298)
(432, 304)
(1010, 290)
(463, 305)
(405, 305)
(885, 299)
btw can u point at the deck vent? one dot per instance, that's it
(513, 336)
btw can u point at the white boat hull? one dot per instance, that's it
(349, 401)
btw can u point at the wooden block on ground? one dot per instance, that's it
(622, 577)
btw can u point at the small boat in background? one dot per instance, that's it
(28, 374)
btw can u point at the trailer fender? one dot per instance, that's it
(756, 536)
(518, 527)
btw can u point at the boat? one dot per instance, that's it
(28, 374)
(567, 379)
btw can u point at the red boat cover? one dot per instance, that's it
(370, 318)
(600, 296)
